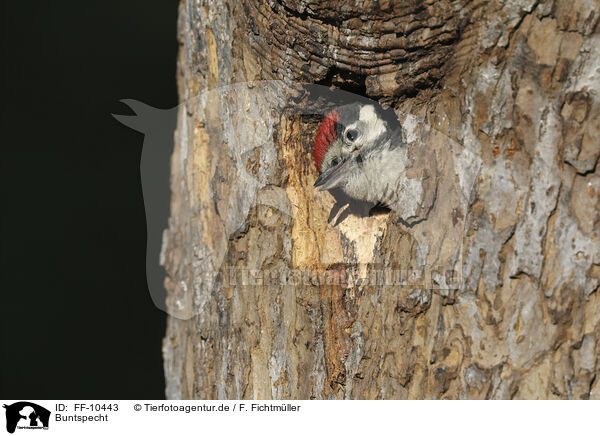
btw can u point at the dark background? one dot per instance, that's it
(76, 317)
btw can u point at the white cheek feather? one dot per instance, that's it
(378, 177)
(374, 126)
(390, 186)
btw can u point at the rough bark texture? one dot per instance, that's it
(503, 98)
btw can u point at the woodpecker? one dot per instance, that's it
(357, 150)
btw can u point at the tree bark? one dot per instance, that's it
(500, 104)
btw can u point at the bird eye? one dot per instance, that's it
(335, 161)
(351, 134)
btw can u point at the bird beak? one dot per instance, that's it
(334, 176)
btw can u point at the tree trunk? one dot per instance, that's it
(492, 294)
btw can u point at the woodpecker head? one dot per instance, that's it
(344, 131)
(340, 137)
